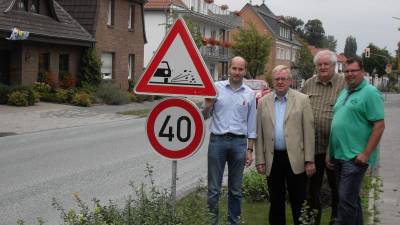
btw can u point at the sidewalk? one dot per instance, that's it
(47, 116)
(388, 206)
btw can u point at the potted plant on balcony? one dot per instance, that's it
(209, 1)
(204, 40)
(212, 41)
(227, 44)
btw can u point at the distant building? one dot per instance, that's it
(213, 23)
(285, 47)
(118, 29)
(38, 37)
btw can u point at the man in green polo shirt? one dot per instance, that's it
(357, 126)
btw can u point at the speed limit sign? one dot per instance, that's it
(175, 128)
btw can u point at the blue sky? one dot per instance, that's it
(366, 20)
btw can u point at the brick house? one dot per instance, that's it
(285, 46)
(55, 41)
(118, 28)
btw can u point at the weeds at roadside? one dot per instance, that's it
(139, 113)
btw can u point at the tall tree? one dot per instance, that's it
(314, 33)
(194, 29)
(350, 47)
(305, 64)
(330, 43)
(254, 47)
(377, 60)
(296, 24)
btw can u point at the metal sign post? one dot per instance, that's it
(173, 186)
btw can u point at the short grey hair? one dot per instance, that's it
(332, 56)
(280, 68)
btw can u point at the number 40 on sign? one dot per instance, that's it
(175, 128)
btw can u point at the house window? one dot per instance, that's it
(278, 52)
(44, 62)
(110, 13)
(23, 5)
(35, 6)
(63, 65)
(131, 66)
(293, 55)
(213, 34)
(131, 22)
(107, 60)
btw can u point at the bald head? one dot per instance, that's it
(238, 59)
(237, 70)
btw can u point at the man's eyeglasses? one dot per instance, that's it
(351, 71)
(281, 79)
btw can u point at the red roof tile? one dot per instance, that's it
(341, 58)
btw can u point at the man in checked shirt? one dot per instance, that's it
(323, 89)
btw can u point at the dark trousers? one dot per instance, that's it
(349, 177)
(314, 188)
(280, 179)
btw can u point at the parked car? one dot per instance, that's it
(260, 88)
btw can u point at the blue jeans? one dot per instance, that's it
(349, 176)
(232, 150)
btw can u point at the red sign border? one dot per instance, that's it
(199, 128)
(144, 87)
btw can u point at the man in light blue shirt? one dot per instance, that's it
(233, 132)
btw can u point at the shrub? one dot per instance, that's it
(4, 90)
(90, 69)
(81, 99)
(61, 96)
(18, 98)
(48, 97)
(151, 207)
(142, 98)
(132, 97)
(23, 92)
(67, 81)
(110, 94)
(47, 78)
(41, 89)
(255, 186)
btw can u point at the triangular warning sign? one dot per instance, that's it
(177, 68)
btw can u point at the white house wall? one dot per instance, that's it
(155, 33)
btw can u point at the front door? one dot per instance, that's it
(5, 67)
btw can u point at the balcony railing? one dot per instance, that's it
(215, 52)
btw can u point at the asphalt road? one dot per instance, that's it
(96, 160)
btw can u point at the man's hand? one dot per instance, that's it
(329, 164)
(260, 168)
(361, 159)
(209, 102)
(249, 158)
(310, 168)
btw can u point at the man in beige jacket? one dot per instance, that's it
(285, 145)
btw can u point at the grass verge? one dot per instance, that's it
(139, 113)
(256, 213)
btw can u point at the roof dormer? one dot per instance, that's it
(42, 7)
